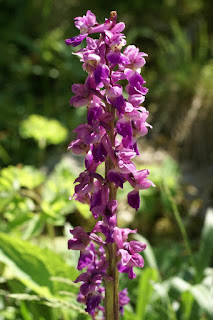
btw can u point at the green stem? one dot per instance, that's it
(181, 226)
(111, 287)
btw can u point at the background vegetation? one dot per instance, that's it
(37, 174)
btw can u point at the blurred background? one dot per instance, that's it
(37, 173)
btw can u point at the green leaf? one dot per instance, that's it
(23, 296)
(34, 227)
(52, 302)
(12, 178)
(34, 266)
(206, 243)
(8, 313)
(203, 297)
(57, 192)
(29, 177)
(59, 185)
(161, 292)
(201, 294)
(145, 290)
(179, 284)
(187, 301)
(18, 211)
(167, 172)
(43, 130)
(128, 313)
(25, 312)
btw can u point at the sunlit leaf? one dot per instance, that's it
(15, 177)
(43, 130)
(35, 266)
(187, 300)
(201, 294)
(34, 227)
(203, 297)
(145, 289)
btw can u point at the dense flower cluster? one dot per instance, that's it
(114, 122)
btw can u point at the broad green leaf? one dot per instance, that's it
(34, 227)
(201, 294)
(18, 211)
(54, 213)
(8, 313)
(160, 294)
(50, 301)
(203, 297)
(35, 266)
(179, 284)
(168, 172)
(43, 130)
(59, 186)
(161, 291)
(128, 313)
(24, 176)
(187, 300)
(29, 177)
(207, 280)
(145, 290)
(57, 192)
(206, 243)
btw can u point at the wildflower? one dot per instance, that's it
(114, 122)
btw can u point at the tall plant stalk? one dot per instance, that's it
(109, 136)
(111, 287)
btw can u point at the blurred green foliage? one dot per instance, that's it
(36, 180)
(42, 130)
(30, 200)
(187, 294)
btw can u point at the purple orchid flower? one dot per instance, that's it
(80, 241)
(123, 300)
(128, 251)
(115, 120)
(136, 58)
(83, 95)
(138, 181)
(78, 147)
(135, 85)
(85, 22)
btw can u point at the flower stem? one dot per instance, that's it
(111, 287)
